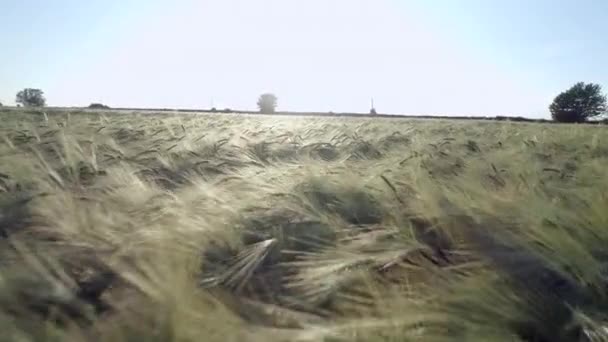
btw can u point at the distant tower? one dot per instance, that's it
(372, 111)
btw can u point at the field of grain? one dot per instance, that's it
(159, 227)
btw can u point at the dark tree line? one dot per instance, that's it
(579, 103)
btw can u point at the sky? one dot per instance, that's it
(427, 57)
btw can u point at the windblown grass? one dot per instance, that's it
(149, 227)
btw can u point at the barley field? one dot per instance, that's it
(162, 227)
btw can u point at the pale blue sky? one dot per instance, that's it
(466, 57)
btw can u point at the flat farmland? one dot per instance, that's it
(167, 227)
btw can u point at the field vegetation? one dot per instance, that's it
(160, 227)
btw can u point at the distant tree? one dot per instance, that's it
(267, 103)
(98, 106)
(31, 98)
(579, 103)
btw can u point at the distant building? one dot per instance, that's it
(372, 111)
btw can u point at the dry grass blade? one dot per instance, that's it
(241, 268)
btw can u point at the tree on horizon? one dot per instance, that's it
(30, 97)
(267, 103)
(579, 103)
